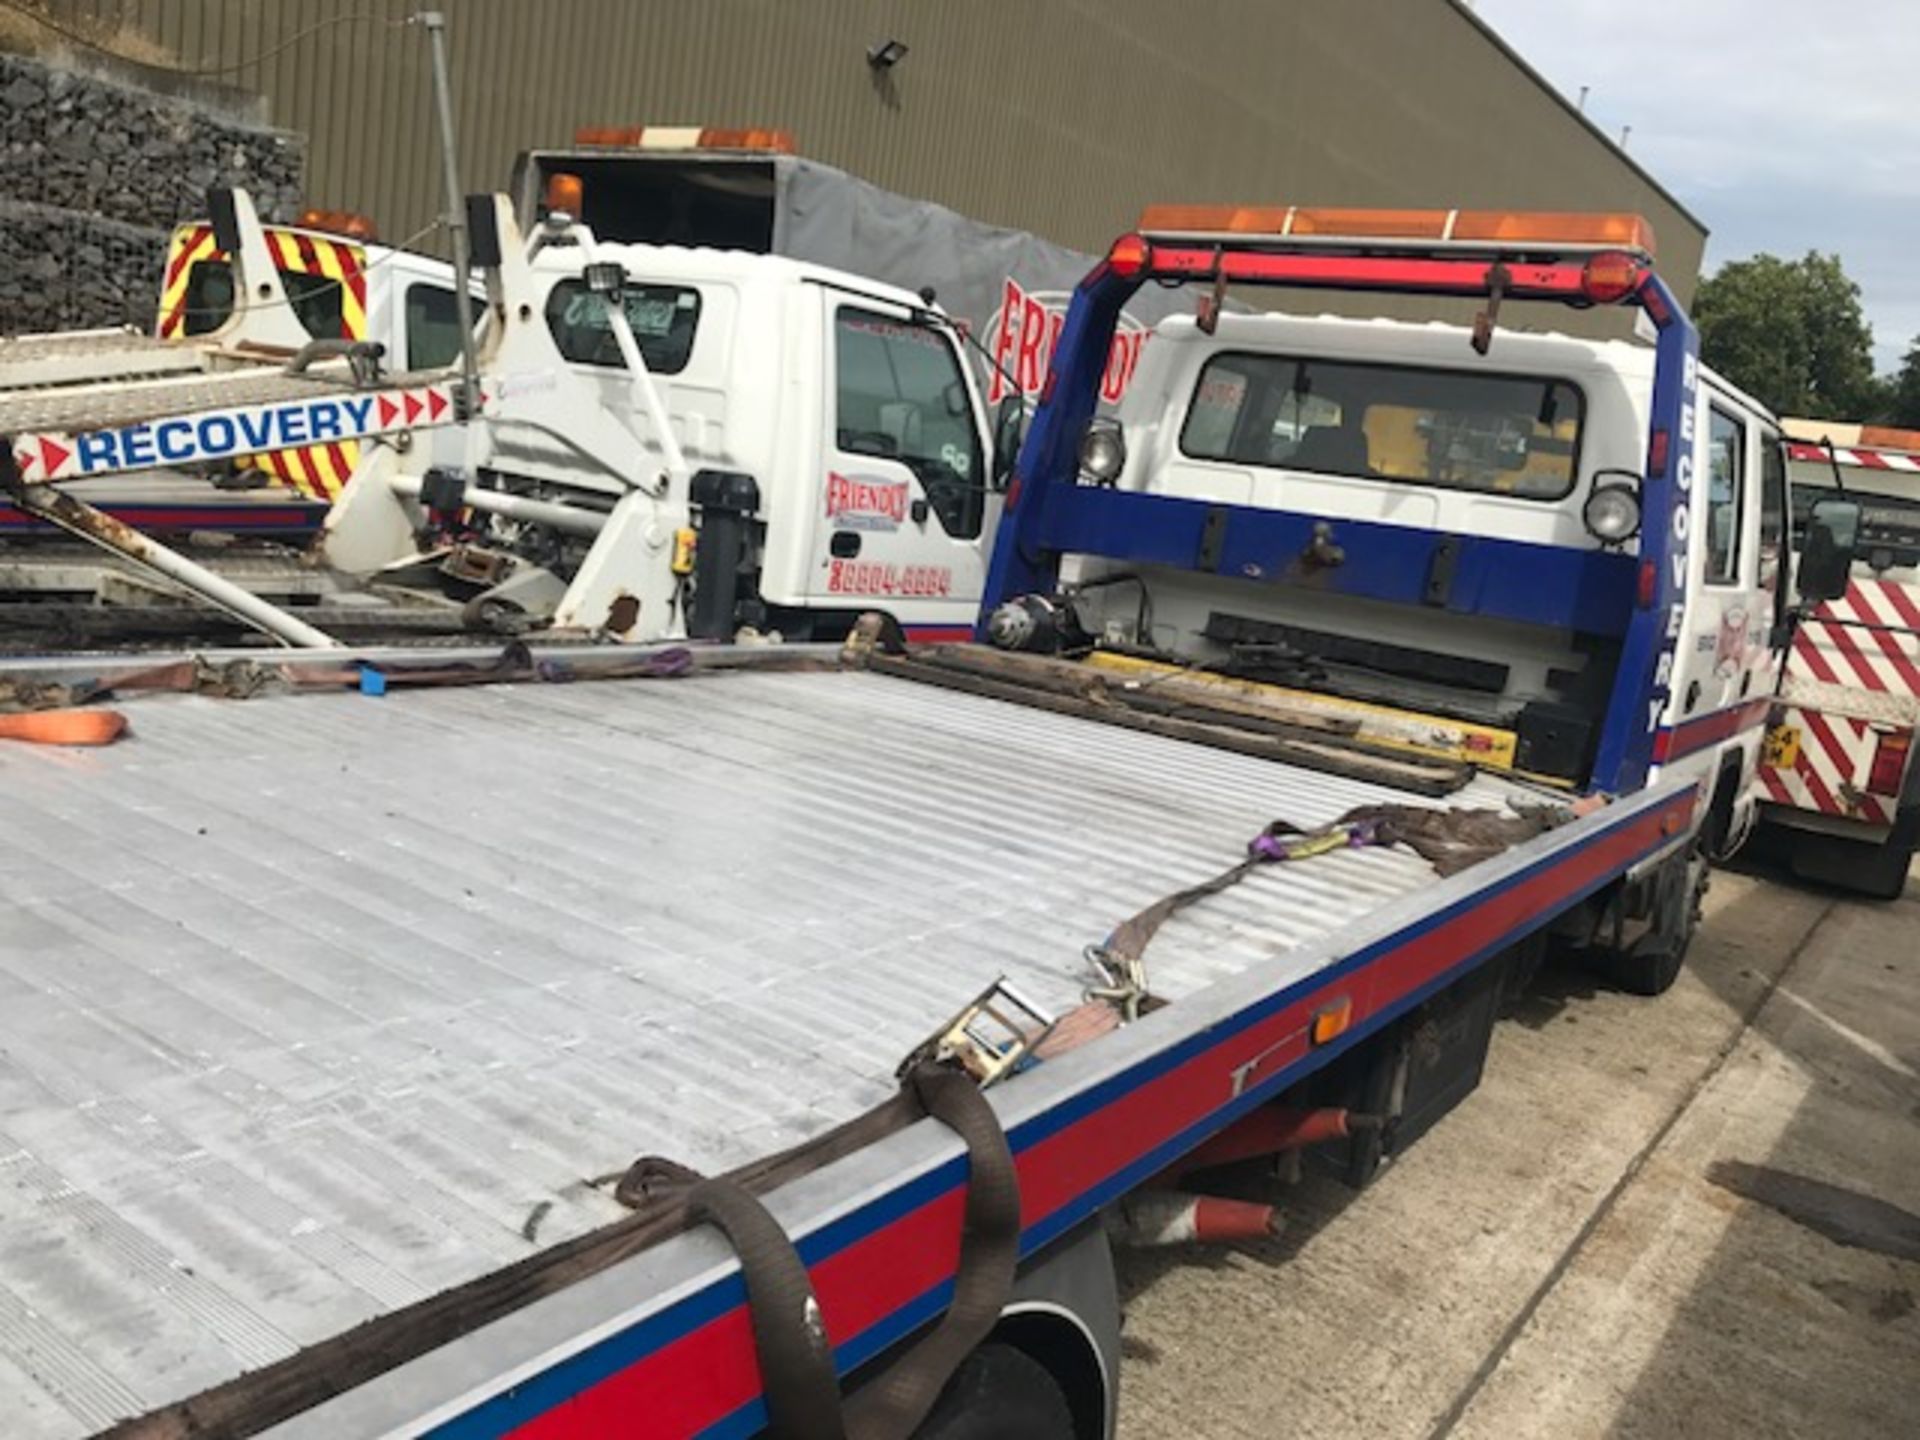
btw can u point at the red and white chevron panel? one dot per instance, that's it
(1829, 772)
(1846, 455)
(1853, 676)
(1869, 640)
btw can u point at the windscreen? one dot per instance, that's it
(316, 299)
(1889, 539)
(1459, 429)
(726, 204)
(663, 318)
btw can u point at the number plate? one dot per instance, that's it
(1782, 751)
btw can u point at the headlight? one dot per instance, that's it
(1612, 514)
(1103, 451)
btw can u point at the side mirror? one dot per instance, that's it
(1826, 559)
(1009, 429)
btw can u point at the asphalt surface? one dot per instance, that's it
(1697, 1215)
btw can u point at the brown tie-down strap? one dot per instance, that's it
(1450, 840)
(892, 1406)
(797, 1374)
(797, 1377)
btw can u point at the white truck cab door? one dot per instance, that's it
(903, 510)
(1725, 666)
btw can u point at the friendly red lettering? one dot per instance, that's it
(1026, 333)
(1031, 370)
(1011, 300)
(866, 504)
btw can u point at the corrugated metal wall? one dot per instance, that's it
(1059, 116)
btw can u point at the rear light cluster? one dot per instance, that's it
(1612, 276)
(1889, 766)
(1130, 257)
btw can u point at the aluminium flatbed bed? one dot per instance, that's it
(315, 1006)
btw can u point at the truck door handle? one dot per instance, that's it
(844, 545)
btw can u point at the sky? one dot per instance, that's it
(1786, 126)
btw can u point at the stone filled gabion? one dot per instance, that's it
(94, 174)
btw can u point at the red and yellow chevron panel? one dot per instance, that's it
(319, 472)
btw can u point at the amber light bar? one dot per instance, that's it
(338, 222)
(684, 137)
(1457, 227)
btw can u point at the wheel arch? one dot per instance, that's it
(1732, 808)
(1059, 1339)
(1065, 1314)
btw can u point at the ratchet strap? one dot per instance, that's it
(1448, 839)
(892, 1405)
(797, 1375)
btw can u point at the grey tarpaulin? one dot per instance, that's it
(1010, 288)
(829, 217)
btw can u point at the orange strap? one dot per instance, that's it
(64, 727)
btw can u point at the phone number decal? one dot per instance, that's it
(861, 577)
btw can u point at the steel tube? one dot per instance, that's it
(570, 518)
(96, 527)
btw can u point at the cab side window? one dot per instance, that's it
(1773, 511)
(901, 395)
(316, 299)
(433, 325)
(1726, 490)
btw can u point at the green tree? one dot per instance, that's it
(1903, 390)
(1792, 334)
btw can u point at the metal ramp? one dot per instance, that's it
(108, 405)
(70, 357)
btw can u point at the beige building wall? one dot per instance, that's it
(1063, 117)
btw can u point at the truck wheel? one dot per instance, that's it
(1000, 1393)
(1876, 871)
(1652, 963)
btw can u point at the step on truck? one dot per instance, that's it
(1839, 780)
(752, 1039)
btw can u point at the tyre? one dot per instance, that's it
(1000, 1393)
(1876, 871)
(1651, 965)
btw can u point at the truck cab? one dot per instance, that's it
(340, 284)
(1838, 780)
(1560, 558)
(1468, 549)
(687, 441)
(848, 403)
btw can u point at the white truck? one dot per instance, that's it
(321, 278)
(338, 1023)
(751, 191)
(1839, 779)
(843, 447)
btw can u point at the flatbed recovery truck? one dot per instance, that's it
(335, 1020)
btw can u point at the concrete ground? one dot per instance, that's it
(1695, 1216)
